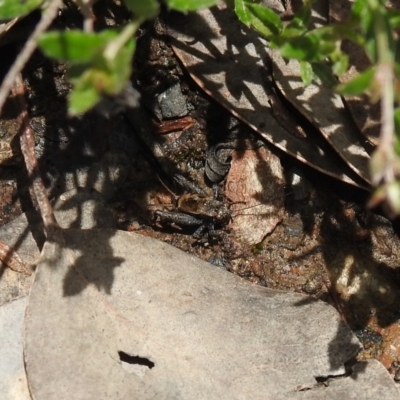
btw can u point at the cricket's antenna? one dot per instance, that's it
(167, 188)
(254, 205)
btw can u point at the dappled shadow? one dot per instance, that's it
(96, 265)
(367, 285)
(66, 148)
(230, 62)
(235, 70)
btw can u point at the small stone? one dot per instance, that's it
(257, 193)
(172, 102)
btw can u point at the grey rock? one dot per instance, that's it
(172, 102)
(199, 332)
(13, 383)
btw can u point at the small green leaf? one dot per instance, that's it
(98, 77)
(264, 17)
(143, 8)
(82, 99)
(357, 85)
(394, 18)
(341, 63)
(299, 24)
(306, 72)
(358, 9)
(75, 45)
(261, 18)
(242, 12)
(300, 48)
(347, 30)
(10, 9)
(190, 5)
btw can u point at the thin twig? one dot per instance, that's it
(51, 226)
(47, 18)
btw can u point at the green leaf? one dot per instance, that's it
(358, 9)
(394, 18)
(347, 30)
(81, 99)
(10, 9)
(190, 5)
(143, 8)
(299, 24)
(261, 18)
(341, 63)
(301, 48)
(74, 46)
(265, 20)
(306, 72)
(242, 12)
(98, 77)
(357, 85)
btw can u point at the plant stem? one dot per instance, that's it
(115, 45)
(385, 79)
(53, 231)
(47, 18)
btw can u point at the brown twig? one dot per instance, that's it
(47, 18)
(51, 226)
(10, 258)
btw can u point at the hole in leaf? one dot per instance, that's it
(135, 360)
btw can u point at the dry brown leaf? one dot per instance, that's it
(231, 63)
(366, 115)
(325, 110)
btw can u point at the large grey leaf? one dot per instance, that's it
(324, 109)
(233, 65)
(115, 315)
